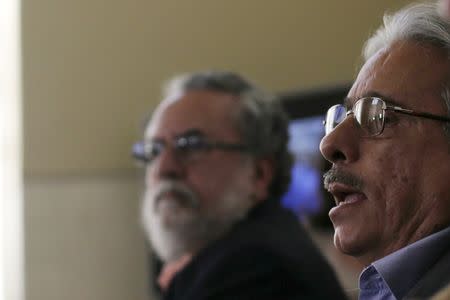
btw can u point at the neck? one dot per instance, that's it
(400, 240)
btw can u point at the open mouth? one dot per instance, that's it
(344, 194)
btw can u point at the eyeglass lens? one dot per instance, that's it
(186, 147)
(368, 112)
(335, 116)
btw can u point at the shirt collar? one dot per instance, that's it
(372, 286)
(403, 268)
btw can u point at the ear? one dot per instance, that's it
(263, 175)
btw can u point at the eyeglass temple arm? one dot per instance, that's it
(418, 114)
(230, 147)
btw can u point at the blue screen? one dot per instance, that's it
(304, 195)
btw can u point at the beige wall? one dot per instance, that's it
(83, 241)
(92, 68)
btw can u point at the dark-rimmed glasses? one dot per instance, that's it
(187, 147)
(369, 113)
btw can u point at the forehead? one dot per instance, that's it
(209, 111)
(409, 74)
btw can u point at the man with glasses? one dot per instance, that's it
(215, 153)
(389, 145)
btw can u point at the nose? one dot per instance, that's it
(165, 166)
(342, 144)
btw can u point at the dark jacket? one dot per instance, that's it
(266, 256)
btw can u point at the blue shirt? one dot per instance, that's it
(393, 276)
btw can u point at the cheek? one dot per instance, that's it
(208, 182)
(395, 188)
(382, 174)
(205, 187)
(211, 183)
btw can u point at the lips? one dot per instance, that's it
(170, 196)
(344, 194)
(170, 199)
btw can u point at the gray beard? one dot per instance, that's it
(187, 229)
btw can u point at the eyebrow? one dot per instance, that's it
(191, 132)
(389, 100)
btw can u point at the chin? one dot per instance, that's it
(164, 231)
(170, 240)
(349, 242)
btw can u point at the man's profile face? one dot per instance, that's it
(191, 198)
(404, 172)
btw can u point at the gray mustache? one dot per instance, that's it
(335, 175)
(183, 195)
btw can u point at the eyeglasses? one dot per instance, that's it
(369, 113)
(187, 147)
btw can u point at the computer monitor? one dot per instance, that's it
(306, 110)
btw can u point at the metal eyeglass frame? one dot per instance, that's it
(393, 108)
(181, 143)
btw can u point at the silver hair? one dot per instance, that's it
(261, 122)
(418, 22)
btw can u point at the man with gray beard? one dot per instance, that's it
(216, 159)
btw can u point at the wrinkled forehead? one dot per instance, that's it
(213, 113)
(407, 74)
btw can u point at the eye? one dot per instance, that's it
(390, 118)
(152, 150)
(191, 143)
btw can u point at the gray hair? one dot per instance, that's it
(418, 22)
(261, 121)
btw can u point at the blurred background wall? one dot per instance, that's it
(93, 70)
